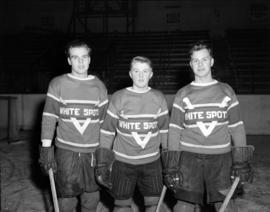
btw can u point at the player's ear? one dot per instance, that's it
(130, 75)
(190, 64)
(212, 61)
(69, 61)
(151, 74)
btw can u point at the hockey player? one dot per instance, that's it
(135, 127)
(75, 107)
(202, 157)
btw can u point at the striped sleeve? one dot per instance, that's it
(163, 122)
(103, 105)
(50, 114)
(176, 123)
(236, 125)
(108, 128)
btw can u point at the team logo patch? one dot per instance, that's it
(207, 128)
(139, 141)
(81, 127)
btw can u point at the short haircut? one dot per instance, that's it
(199, 45)
(141, 59)
(77, 43)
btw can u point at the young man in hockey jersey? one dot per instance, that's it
(135, 127)
(209, 136)
(75, 107)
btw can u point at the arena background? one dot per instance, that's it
(33, 35)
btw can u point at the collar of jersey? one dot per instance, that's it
(89, 77)
(204, 84)
(137, 91)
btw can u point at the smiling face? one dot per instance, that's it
(201, 63)
(79, 60)
(140, 73)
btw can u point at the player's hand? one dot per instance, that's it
(103, 175)
(103, 169)
(172, 175)
(243, 171)
(46, 159)
(173, 179)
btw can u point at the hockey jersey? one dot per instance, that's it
(205, 119)
(76, 108)
(136, 125)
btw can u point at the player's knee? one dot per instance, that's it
(123, 205)
(89, 201)
(184, 206)
(151, 203)
(67, 204)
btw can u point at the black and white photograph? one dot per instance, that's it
(135, 106)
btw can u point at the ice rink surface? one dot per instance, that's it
(25, 189)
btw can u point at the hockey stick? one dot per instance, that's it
(229, 195)
(54, 196)
(161, 198)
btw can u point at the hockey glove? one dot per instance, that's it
(241, 165)
(103, 169)
(172, 175)
(46, 159)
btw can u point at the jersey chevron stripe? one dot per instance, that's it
(53, 97)
(50, 114)
(103, 103)
(140, 116)
(130, 135)
(136, 157)
(204, 146)
(112, 114)
(80, 121)
(178, 107)
(207, 131)
(236, 124)
(163, 113)
(207, 124)
(79, 127)
(176, 126)
(77, 144)
(107, 132)
(193, 106)
(233, 105)
(77, 101)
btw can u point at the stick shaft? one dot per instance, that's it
(229, 195)
(161, 198)
(54, 195)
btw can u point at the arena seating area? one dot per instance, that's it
(250, 60)
(168, 52)
(32, 59)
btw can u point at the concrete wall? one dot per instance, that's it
(255, 112)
